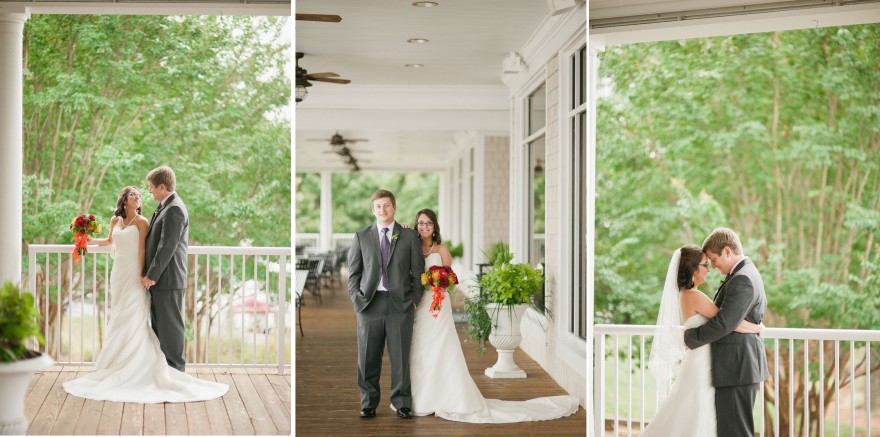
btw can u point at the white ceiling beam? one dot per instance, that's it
(808, 17)
(402, 119)
(448, 97)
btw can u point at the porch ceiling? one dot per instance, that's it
(411, 116)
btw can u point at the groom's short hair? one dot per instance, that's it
(381, 194)
(721, 238)
(163, 175)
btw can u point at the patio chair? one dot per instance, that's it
(313, 283)
(301, 277)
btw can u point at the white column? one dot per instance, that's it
(326, 238)
(11, 147)
(592, 83)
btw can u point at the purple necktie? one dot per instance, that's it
(386, 251)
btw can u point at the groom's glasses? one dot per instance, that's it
(424, 223)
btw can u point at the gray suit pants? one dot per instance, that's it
(380, 323)
(733, 407)
(167, 319)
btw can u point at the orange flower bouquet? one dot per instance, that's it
(438, 279)
(83, 227)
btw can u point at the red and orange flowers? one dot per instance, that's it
(438, 279)
(83, 227)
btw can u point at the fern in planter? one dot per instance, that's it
(479, 323)
(19, 320)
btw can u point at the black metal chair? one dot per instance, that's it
(301, 277)
(313, 282)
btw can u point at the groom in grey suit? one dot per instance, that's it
(165, 265)
(385, 267)
(739, 364)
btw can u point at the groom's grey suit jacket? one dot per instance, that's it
(737, 359)
(405, 267)
(166, 246)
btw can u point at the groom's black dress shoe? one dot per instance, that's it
(368, 412)
(404, 413)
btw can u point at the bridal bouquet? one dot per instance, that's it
(83, 227)
(438, 279)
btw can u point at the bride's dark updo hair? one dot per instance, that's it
(691, 255)
(435, 237)
(123, 197)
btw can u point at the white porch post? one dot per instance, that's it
(11, 146)
(326, 239)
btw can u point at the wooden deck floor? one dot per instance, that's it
(327, 399)
(258, 402)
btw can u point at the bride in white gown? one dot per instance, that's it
(441, 383)
(131, 367)
(687, 406)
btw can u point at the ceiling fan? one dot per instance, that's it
(324, 18)
(337, 140)
(304, 79)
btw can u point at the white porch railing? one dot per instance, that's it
(236, 305)
(310, 240)
(804, 351)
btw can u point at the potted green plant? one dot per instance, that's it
(508, 288)
(456, 250)
(19, 321)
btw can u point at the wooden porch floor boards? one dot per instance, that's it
(258, 402)
(327, 397)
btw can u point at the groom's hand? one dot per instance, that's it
(147, 282)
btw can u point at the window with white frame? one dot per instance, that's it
(577, 120)
(536, 112)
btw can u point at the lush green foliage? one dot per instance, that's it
(351, 198)
(19, 321)
(776, 135)
(479, 324)
(509, 283)
(108, 98)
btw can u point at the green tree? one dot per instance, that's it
(108, 98)
(776, 135)
(351, 198)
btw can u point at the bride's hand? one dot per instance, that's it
(404, 226)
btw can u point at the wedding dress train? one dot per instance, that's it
(131, 366)
(441, 384)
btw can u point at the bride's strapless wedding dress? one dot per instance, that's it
(689, 408)
(441, 384)
(131, 366)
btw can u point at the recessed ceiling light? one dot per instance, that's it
(414, 65)
(417, 40)
(425, 4)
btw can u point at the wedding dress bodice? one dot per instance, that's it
(433, 259)
(695, 321)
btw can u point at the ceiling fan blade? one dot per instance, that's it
(325, 74)
(327, 79)
(324, 18)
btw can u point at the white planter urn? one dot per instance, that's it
(505, 337)
(14, 379)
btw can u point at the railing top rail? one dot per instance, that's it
(780, 333)
(193, 250)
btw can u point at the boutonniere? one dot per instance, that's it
(394, 237)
